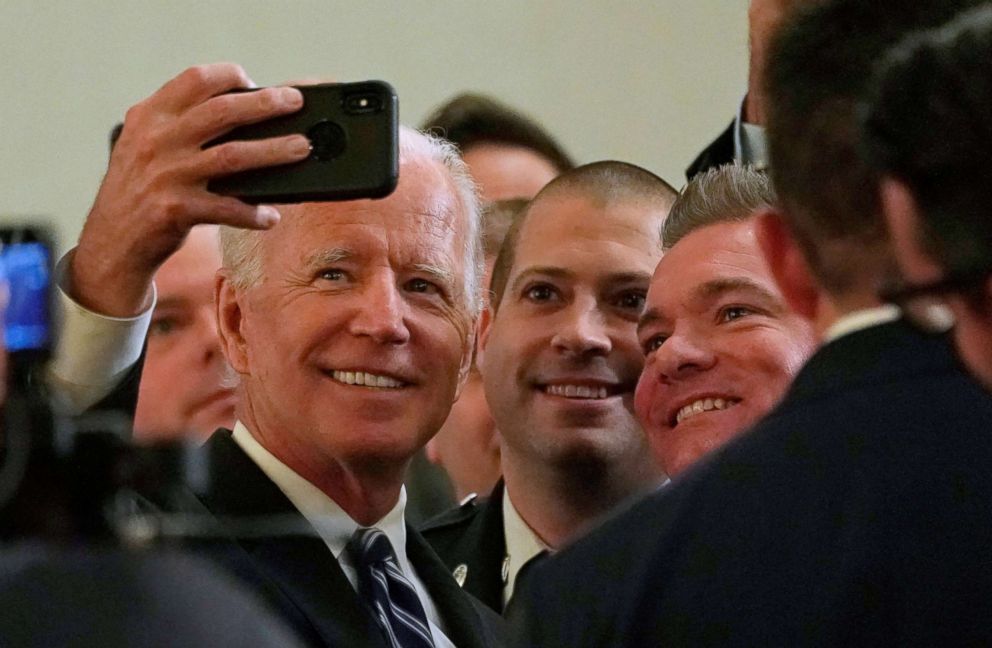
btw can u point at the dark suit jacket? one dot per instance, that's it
(297, 574)
(472, 535)
(719, 152)
(858, 513)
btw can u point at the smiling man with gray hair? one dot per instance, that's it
(349, 325)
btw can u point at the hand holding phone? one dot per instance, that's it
(155, 188)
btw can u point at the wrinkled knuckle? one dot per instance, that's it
(145, 150)
(134, 115)
(221, 112)
(268, 99)
(197, 75)
(171, 210)
(226, 158)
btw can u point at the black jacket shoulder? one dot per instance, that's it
(470, 541)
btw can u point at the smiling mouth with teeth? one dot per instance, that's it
(577, 391)
(703, 405)
(364, 379)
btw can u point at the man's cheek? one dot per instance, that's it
(645, 397)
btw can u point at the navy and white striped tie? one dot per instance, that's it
(386, 590)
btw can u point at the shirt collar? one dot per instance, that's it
(332, 523)
(750, 143)
(522, 544)
(861, 319)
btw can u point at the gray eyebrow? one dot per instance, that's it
(328, 256)
(443, 275)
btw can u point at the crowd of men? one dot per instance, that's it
(753, 411)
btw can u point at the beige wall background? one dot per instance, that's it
(650, 82)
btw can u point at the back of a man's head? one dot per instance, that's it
(930, 126)
(819, 70)
(603, 183)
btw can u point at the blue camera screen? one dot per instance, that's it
(25, 266)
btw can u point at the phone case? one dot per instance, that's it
(353, 129)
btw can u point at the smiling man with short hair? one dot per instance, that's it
(721, 344)
(559, 360)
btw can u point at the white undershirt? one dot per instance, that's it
(335, 527)
(522, 544)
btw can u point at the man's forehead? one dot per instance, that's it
(713, 260)
(718, 244)
(553, 224)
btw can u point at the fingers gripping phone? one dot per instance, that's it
(353, 128)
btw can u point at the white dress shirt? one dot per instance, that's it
(335, 527)
(93, 351)
(522, 544)
(861, 319)
(750, 142)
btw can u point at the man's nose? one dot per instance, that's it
(380, 313)
(583, 331)
(682, 355)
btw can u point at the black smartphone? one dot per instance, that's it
(353, 128)
(26, 280)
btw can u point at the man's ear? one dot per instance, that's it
(230, 320)
(787, 264)
(485, 327)
(903, 218)
(469, 357)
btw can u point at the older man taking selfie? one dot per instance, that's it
(349, 326)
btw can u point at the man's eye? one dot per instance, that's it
(732, 313)
(653, 343)
(540, 293)
(162, 326)
(421, 286)
(633, 300)
(332, 274)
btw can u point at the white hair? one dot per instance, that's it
(243, 260)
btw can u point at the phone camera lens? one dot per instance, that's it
(328, 140)
(362, 103)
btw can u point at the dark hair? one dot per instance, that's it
(818, 72)
(469, 119)
(607, 182)
(929, 124)
(728, 193)
(497, 217)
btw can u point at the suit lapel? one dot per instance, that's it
(490, 542)
(299, 566)
(463, 623)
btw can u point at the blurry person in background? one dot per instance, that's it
(466, 445)
(744, 141)
(720, 342)
(508, 154)
(929, 130)
(182, 390)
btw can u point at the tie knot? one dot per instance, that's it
(371, 546)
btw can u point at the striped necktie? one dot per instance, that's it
(392, 598)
